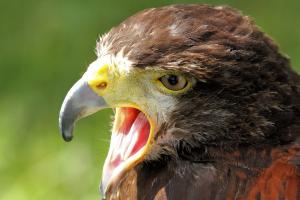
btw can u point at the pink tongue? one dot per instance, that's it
(130, 137)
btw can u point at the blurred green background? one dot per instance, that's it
(45, 46)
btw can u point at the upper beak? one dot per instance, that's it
(80, 102)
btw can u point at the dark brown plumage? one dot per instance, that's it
(235, 135)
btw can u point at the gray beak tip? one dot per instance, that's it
(66, 127)
(67, 133)
(67, 138)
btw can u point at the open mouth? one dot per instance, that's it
(129, 142)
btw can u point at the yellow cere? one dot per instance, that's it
(99, 80)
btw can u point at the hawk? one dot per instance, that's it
(206, 107)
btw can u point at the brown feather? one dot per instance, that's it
(235, 135)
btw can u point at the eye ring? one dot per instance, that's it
(174, 82)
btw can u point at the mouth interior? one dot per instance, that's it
(131, 132)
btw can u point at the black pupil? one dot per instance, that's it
(173, 80)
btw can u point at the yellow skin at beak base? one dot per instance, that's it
(118, 95)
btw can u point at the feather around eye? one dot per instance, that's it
(174, 82)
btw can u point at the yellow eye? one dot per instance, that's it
(174, 82)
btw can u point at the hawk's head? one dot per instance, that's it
(183, 79)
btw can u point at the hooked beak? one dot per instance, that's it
(133, 128)
(81, 101)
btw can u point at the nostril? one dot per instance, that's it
(101, 85)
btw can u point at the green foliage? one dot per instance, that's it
(45, 46)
